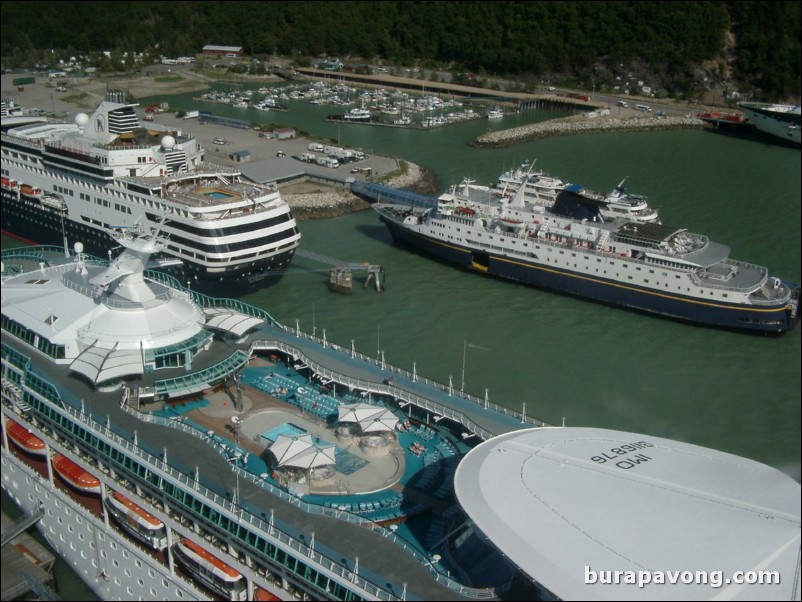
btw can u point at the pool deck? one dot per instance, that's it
(260, 412)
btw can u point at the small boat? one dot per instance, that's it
(24, 439)
(719, 119)
(210, 570)
(75, 475)
(357, 114)
(31, 191)
(262, 595)
(495, 113)
(137, 521)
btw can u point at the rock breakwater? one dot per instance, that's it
(583, 125)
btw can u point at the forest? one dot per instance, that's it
(753, 45)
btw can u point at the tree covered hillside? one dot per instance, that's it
(757, 43)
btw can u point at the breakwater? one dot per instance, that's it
(584, 125)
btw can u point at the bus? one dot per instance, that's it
(646, 108)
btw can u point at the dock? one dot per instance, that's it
(27, 566)
(340, 278)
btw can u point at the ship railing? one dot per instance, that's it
(49, 395)
(239, 513)
(783, 291)
(395, 391)
(93, 293)
(230, 451)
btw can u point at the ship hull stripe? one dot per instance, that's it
(773, 319)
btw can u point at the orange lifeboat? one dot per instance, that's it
(30, 190)
(262, 595)
(76, 476)
(211, 563)
(25, 439)
(133, 513)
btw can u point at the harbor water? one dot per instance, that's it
(564, 360)
(561, 359)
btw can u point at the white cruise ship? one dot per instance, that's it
(171, 446)
(63, 182)
(781, 121)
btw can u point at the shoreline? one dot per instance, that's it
(337, 202)
(333, 202)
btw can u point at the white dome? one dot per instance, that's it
(79, 247)
(81, 119)
(168, 142)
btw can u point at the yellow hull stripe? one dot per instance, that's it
(597, 281)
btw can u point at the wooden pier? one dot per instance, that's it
(27, 566)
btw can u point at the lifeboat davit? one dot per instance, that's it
(76, 476)
(211, 563)
(133, 514)
(25, 439)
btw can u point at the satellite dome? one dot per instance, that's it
(81, 119)
(168, 142)
(79, 247)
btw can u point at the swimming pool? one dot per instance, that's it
(287, 428)
(215, 193)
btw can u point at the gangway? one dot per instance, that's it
(340, 274)
(381, 193)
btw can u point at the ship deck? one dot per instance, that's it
(380, 560)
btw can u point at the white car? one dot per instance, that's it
(219, 140)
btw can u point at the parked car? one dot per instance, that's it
(219, 140)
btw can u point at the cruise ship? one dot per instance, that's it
(176, 446)
(67, 182)
(571, 248)
(781, 121)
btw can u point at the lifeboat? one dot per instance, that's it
(202, 559)
(30, 190)
(76, 476)
(465, 211)
(262, 595)
(133, 514)
(24, 439)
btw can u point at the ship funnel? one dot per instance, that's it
(117, 96)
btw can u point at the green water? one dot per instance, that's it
(570, 359)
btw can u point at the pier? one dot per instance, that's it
(27, 566)
(340, 279)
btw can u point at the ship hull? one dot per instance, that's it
(768, 320)
(144, 575)
(780, 126)
(40, 224)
